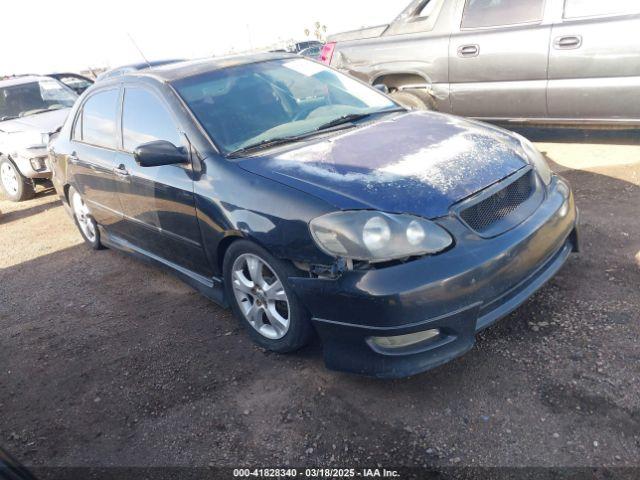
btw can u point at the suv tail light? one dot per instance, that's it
(327, 53)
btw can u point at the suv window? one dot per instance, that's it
(145, 119)
(99, 119)
(427, 9)
(593, 8)
(493, 13)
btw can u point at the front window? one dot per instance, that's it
(34, 97)
(145, 119)
(249, 104)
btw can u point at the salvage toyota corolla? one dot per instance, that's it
(310, 202)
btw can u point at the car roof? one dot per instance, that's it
(191, 68)
(21, 80)
(150, 64)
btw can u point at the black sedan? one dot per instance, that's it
(310, 203)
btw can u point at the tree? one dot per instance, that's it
(319, 31)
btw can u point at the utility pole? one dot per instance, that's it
(250, 39)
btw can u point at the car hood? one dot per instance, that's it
(419, 163)
(46, 122)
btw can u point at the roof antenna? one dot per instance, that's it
(138, 48)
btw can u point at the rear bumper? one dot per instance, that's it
(459, 293)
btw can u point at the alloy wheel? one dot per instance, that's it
(261, 296)
(81, 211)
(10, 180)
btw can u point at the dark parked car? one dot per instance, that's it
(300, 46)
(77, 83)
(134, 67)
(311, 202)
(312, 52)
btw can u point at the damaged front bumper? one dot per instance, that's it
(405, 319)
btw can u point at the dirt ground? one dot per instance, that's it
(105, 361)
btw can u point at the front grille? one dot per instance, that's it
(483, 215)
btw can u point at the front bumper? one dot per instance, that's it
(458, 292)
(34, 167)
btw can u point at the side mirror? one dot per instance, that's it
(158, 153)
(381, 87)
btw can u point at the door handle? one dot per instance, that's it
(568, 43)
(121, 171)
(469, 50)
(73, 158)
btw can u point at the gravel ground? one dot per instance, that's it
(106, 361)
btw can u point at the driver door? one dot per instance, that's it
(158, 202)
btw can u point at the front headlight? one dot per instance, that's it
(377, 237)
(536, 158)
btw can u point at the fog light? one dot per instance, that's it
(403, 341)
(38, 163)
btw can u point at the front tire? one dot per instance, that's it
(15, 187)
(256, 286)
(84, 220)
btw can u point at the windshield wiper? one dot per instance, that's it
(264, 144)
(274, 142)
(8, 117)
(336, 124)
(354, 117)
(42, 110)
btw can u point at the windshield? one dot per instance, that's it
(252, 104)
(34, 97)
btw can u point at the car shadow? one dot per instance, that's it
(14, 215)
(578, 135)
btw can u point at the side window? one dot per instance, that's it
(427, 9)
(99, 115)
(593, 8)
(494, 13)
(146, 119)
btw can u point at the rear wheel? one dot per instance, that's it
(84, 221)
(14, 186)
(257, 289)
(413, 100)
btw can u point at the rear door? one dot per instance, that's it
(93, 157)
(498, 59)
(594, 64)
(158, 202)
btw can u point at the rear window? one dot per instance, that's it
(594, 8)
(494, 13)
(99, 119)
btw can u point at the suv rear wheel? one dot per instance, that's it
(413, 101)
(14, 186)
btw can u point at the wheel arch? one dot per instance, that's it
(402, 79)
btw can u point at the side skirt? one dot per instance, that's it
(211, 288)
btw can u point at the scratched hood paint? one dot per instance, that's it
(420, 163)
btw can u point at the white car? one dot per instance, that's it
(31, 109)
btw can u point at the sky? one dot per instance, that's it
(72, 35)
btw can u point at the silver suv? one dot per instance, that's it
(31, 108)
(542, 61)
